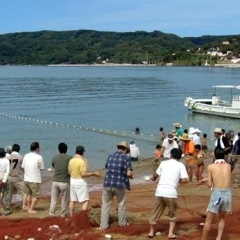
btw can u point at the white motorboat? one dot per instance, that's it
(216, 106)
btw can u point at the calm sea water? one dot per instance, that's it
(100, 106)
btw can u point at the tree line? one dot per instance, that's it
(89, 46)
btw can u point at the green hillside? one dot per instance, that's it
(87, 47)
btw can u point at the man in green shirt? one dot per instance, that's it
(61, 180)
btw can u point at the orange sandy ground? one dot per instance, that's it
(192, 203)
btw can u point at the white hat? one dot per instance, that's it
(191, 130)
(197, 130)
(170, 136)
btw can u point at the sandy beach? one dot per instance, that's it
(192, 202)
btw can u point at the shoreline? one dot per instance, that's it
(170, 64)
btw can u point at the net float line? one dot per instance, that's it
(132, 135)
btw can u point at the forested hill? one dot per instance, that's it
(88, 46)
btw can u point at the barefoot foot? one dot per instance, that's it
(24, 207)
(32, 211)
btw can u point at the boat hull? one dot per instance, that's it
(223, 110)
(221, 114)
(216, 106)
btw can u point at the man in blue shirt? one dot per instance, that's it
(119, 170)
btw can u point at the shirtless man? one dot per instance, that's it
(219, 178)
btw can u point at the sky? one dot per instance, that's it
(185, 18)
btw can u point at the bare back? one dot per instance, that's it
(219, 175)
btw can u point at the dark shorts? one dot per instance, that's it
(204, 147)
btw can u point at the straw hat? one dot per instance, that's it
(184, 137)
(218, 130)
(123, 144)
(177, 125)
(173, 132)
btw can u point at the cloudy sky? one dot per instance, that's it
(180, 17)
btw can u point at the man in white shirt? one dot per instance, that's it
(32, 165)
(4, 184)
(171, 172)
(168, 144)
(134, 151)
(196, 137)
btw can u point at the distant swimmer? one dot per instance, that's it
(137, 130)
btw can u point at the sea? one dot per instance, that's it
(100, 106)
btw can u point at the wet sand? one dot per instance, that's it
(192, 202)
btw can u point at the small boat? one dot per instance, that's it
(216, 106)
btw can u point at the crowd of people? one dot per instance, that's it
(23, 174)
(187, 144)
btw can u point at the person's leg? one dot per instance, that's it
(28, 201)
(20, 189)
(201, 168)
(171, 228)
(85, 205)
(194, 171)
(172, 206)
(71, 207)
(26, 196)
(151, 230)
(65, 198)
(157, 212)
(207, 224)
(6, 196)
(197, 172)
(120, 195)
(107, 197)
(190, 173)
(34, 201)
(24, 202)
(55, 192)
(36, 194)
(221, 225)
(12, 190)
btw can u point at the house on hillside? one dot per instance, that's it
(225, 42)
(235, 60)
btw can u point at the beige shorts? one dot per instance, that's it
(16, 187)
(160, 204)
(32, 189)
